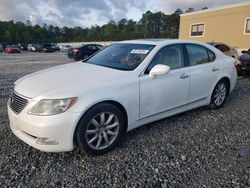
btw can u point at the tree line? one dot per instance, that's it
(151, 25)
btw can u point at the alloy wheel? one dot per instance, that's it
(220, 94)
(102, 130)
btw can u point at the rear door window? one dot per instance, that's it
(198, 54)
(211, 56)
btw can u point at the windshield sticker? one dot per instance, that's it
(139, 51)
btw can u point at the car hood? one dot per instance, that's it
(74, 76)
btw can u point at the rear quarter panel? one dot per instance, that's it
(227, 69)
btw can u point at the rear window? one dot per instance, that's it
(224, 48)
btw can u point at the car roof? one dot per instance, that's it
(160, 42)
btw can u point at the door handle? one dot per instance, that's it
(184, 76)
(215, 69)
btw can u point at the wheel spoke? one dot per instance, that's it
(216, 100)
(222, 87)
(221, 100)
(93, 139)
(99, 142)
(109, 119)
(112, 126)
(94, 131)
(106, 138)
(109, 132)
(95, 123)
(102, 119)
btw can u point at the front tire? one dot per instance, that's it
(219, 95)
(100, 129)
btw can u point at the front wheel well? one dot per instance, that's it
(122, 109)
(116, 104)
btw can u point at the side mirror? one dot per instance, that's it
(159, 70)
(243, 51)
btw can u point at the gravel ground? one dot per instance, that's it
(199, 148)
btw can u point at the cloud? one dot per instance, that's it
(169, 6)
(15, 10)
(85, 13)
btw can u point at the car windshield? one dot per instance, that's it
(121, 56)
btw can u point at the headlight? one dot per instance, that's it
(47, 107)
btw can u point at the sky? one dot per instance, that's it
(85, 13)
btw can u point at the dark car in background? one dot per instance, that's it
(12, 49)
(47, 47)
(1, 48)
(84, 51)
(23, 46)
(4, 45)
(229, 51)
(243, 67)
(55, 47)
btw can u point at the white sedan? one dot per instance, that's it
(92, 104)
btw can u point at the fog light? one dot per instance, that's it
(46, 141)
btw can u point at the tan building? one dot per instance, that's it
(227, 24)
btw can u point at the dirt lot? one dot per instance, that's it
(200, 148)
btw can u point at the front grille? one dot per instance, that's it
(17, 103)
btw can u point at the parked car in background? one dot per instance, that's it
(229, 51)
(55, 47)
(12, 49)
(65, 48)
(47, 47)
(243, 67)
(4, 45)
(34, 47)
(84, 51)
(93, 104)
(1, 48)
(23, 46)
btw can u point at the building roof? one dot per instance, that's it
(216, 8)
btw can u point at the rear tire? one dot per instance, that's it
(100, 129)
(219, 95)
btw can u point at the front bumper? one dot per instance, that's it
(29, 128)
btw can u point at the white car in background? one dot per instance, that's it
(65, 48)
(92, 104)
